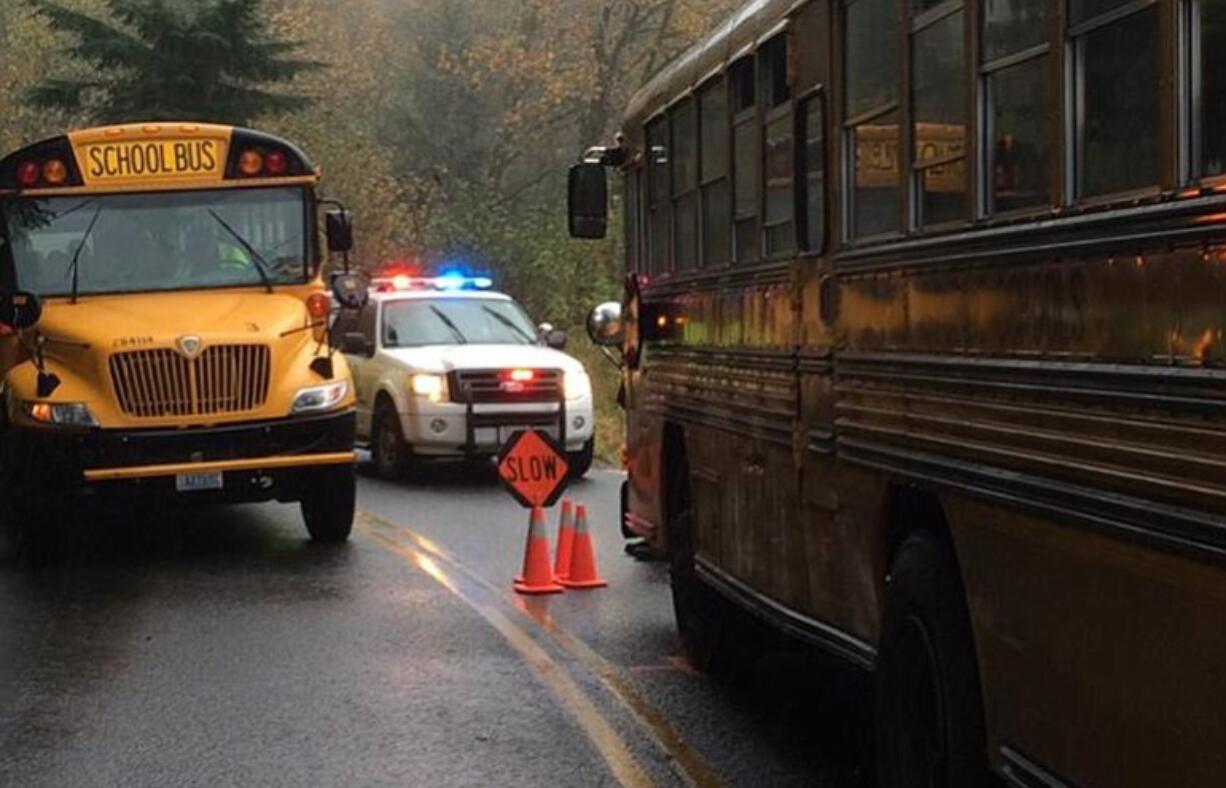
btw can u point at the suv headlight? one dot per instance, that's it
(430, 386)
(71, 414)
(320, 398)
(577, 385)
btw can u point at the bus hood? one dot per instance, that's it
(116, 323)
(449, 358)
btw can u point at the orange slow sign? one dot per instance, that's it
(533, 468)
(152, 159)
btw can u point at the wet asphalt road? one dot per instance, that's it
(216, 647)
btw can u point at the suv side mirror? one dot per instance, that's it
(605, 325)
(19, 309)
(588, 201)
(555, 338)
(351, 291)
(340, 230)
(355, 343)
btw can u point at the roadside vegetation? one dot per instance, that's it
(445, 125)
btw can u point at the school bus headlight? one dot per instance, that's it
(320, 398)
(429, 386)
(577, 384)
(73, 414)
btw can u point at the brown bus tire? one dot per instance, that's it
(329, 504)
(929, 707)
(700, 623)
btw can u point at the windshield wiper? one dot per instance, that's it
(506, 321)
(74, 267)
(450, 324)
(261, 265)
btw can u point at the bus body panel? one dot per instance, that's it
(1055, 383)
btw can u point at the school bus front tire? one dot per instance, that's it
(329, 504)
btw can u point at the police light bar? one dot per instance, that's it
(402, 283)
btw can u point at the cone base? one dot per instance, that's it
(523, 588)
(582, 584)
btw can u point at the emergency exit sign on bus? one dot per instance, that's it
(533, 468)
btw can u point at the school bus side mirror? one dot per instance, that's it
(588, 200)
(605, 325)
(19, 309)
(340, 230)
(355, 343)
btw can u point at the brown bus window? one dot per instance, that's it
(871, 134)
(1209, 63)
(633, 207)
(1116, 98)
(658, 238)
(812, 166)
(938, 125)
(746, 163)
(1017, 95)
(716, 190)
(779, 139)
(684, 159)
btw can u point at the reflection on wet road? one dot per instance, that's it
(217, 647)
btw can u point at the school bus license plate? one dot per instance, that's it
(152, 160)
(199, 482)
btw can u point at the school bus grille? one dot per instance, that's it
(152, 384)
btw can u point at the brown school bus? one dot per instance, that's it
(923, 363)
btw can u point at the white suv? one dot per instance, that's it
(452, 372)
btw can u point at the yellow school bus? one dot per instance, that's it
(182, 353)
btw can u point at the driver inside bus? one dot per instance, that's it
(208, 259)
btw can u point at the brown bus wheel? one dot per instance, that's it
(707, 630)
(929, 707)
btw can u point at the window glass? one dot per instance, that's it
(717, 223)
(748, 176)
(1081, 10)
(814, 168)
(780, 200)
(455, 321)
(658, 195)
(1213, 86)
(150, 242)
(1120, 137)
(773, 66)
(716, 188)
(685, 148)
(1018, 98)
(939, 131)
(743, 97)
(632, 203)
(875, 194)
(685, 232)
(872, 54)
(713, 104)
(1011, 26)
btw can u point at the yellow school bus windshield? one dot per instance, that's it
(124, 243)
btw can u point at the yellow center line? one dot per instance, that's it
(692, 766)
(612, 748)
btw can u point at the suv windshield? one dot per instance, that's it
(144, 242)
(455, 321)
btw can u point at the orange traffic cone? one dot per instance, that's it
(566, 542)
(537, 577)
(583, 558)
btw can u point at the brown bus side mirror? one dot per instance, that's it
(339, 226)
(588, 201)
(19, 309)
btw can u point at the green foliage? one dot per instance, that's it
(167, 60)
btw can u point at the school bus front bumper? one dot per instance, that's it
(251, 462)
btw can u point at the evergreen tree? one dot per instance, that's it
(202, 60)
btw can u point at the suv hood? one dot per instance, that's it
(450, 358)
